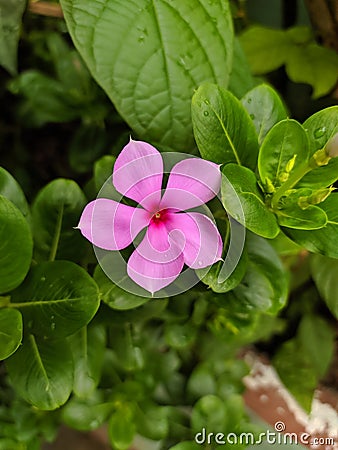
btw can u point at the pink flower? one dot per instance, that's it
(173, 237)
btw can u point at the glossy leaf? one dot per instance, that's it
(223, 130)
(244, 202)
(163, 67)
(41, 372)
(11, 12)
(88, 349)
(265, 108)
(320, 127)
(323, 240)
(284, 149)
(209, 412)
(55, 213)
(16, 246)
(103, 170)
(11, 189)
(186, 445)
(324, 272)
(57, 299)
(152, 421)
(114, 296)
(10, 331)
(311, 218)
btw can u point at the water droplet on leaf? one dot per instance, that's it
(206, 113)
(252, 116)
(319, 132)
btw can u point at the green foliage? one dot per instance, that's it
(163, 67)
(223, 129)
(11, 12)
(305, 61)
(165, 369)
(16, 246)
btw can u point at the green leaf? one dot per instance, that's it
(122, 427)
(324, 273)
(320, 127)
(10, 331)
(163, 67)
(315, 65)
(179, 335)
(16, 246)
(303, 360)
(223, 129)
(88, 349)
(209, 412)
(244, 202)
(55, 213)
(311, 218)
(86, 415)
(265, 48)
(11, 12)
(114, 296)
(212, 277)
(266, 259)
(265, 108)
(103, 169)
(41, 372)
(46, 99)
(241, 79)
(318, 340)
(294, 368)
(11, 189)
(284, 149)
(323, 240)
(186, 445)
(152, 421)
(57, 299)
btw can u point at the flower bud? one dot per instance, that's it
(331, 147)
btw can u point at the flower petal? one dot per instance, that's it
(202, 241)
(157, 247)
(192, 182)
(153, 276)
(111, 225)
(138, 173)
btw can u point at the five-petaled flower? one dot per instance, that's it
(174, 236)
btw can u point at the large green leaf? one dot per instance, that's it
(88, 348)
(10, 25)
(315, 65)
(10, 331)
(16, 246)
(324, 240)
(311, 218)
(11, 189)
(265, 108)
(223, 130)
(303, 360)
(244, 202)
(266, 49)
(320, 127)
(55, 212)
(324, 272)
(57, 299)
(150, 56)
(122, 427)
(41, 371)
(284, 149)
(241, 78)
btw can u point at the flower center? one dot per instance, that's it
(157, 215)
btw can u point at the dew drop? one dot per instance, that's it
(252, 116)
(43, 279)
(319, 132)
(206, 113)
(52, 326)
(206, 102)
(249, 100)
(141, 39)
